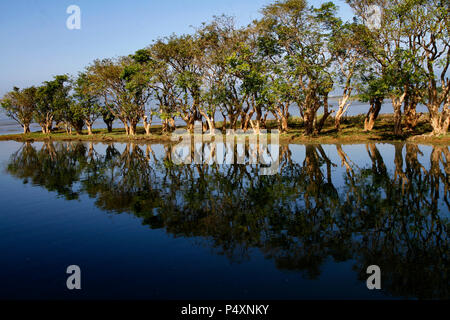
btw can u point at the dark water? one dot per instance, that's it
(141, 227)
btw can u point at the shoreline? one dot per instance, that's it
(351, 133)
(289, 138)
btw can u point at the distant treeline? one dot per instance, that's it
(294, 54)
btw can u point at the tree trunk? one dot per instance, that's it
(48, 123)
(210, 122)
(284, 124)
(326, 114)
(411, 117)
(309, 110)
(172, 125)
(308, 120)
(26, 128)
(256, 125)
(147, 125)
(109, 125)
(264, 121)
(397, 103)
(440, 121)
(89, 127)
(190, 121)
(372, 115)
(224, 124)
(246, 118)
(48, 127)
(233, 120)
(343, 107)
(132, 128)
(78, 126)
(165, 126)
(125, 124)
(282, 116)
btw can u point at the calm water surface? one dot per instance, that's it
(141, 227)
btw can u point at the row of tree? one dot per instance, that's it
(294, 55)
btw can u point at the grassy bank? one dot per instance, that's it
(352, 132)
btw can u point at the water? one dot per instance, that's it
(141, 227)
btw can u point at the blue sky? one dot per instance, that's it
(36, 45)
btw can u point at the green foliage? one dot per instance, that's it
(20, 105)
(53, 101)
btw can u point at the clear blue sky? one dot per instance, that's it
(36, 45)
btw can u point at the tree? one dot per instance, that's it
(104, 75)
(301, 35)
(108, 117)
(411, 45)
(137, 93)
(373, 91)
(20, 106)
(346, 48)
(52, 101)
(248, 66)
(85, 104)
(162, 83)
(123, 89)
(182, 56)
(430, 22)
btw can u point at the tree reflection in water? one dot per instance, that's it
(299, 218)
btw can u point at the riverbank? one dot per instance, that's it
(352, 132)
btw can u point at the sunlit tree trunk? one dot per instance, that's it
(256, 125)
(125, 125)
(397, 103)
(246, 118)
(281, 114)
(211, 125)
(132, 128)
(372, 115)
(190, 122)
(344, 104)
(147, 125)
(89, 127)
(411, 116)
(440, 121)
